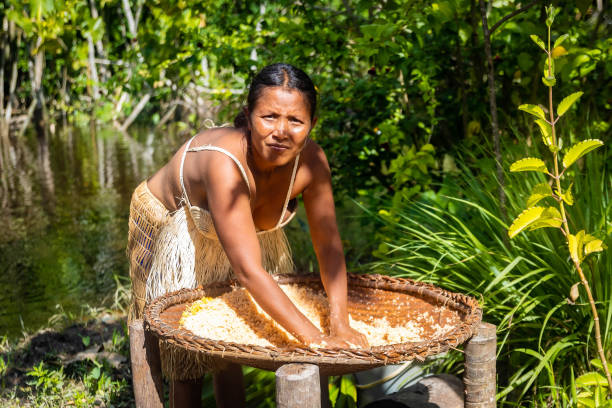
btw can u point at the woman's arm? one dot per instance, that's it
(228, 202)
(321, 213)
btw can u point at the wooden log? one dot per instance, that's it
(146, 367)
(297, 386)
(479, 376)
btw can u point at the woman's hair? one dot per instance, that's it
(280, 74)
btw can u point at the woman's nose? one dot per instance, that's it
(281, 127)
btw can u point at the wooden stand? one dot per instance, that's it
(298, 385)
(480, 375)
(146, 367)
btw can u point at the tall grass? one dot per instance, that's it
(455, 238)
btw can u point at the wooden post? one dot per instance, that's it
(298, 386)
(325, 401)
(480, 376)
(146, 367)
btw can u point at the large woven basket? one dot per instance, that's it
(396, 299)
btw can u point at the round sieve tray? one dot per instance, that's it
(399, 300)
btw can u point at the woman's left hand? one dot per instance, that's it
(350, 335)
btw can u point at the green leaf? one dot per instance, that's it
(575, 244)
(580, 149)
(568, 197)
(549, 80)
(550, 218)
(535, 110)
(539, 192)
(529, 164)
(560, 40)
(546, 131)
(598, 364)
(538, 41)
(524, 220)
(572, 244)
(567, 102)
(589, 379)
(596, 245)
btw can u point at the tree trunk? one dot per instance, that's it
(132, 27)
(104, 74)
(462, 87)
(493, 109)
(92, 69)
(16, 38)
(36, 74)
(5, 50)
(137, 109)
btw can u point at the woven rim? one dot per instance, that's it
(467, 306)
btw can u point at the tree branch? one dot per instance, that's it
(509, 16)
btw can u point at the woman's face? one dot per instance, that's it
(279, 125)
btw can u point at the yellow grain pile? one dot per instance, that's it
(236, 317)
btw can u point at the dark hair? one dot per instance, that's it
(279, 74)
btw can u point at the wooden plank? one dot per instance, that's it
(297, 386)
(146, 367)
(480, 372)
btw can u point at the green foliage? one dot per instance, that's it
(581, 243)
(579, 150)
(342, 392)
(453, 238)
(529, 164)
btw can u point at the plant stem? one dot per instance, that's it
(600, 350)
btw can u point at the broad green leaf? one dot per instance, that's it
(538, 41)
(529, 164)
(539, 192)
(567, 102)
(546, 131)
(585, 400)
(550, 218)
(580, 149)
(576, 245)
(589, 379)
(535, 110)
(560, 40)
(524, 220)
(595, 245)
(597, 363)
(572, 244)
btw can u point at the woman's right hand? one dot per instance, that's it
(323, 341)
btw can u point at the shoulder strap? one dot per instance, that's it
(228, 154)
(282, 217)
(181, 178)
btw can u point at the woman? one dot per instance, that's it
(216, 211)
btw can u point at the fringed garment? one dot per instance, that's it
(173, 250)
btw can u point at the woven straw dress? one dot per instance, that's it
(173, 250)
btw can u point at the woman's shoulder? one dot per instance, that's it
(313, 154)
(228, 139)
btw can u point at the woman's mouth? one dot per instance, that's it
(278, 147)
